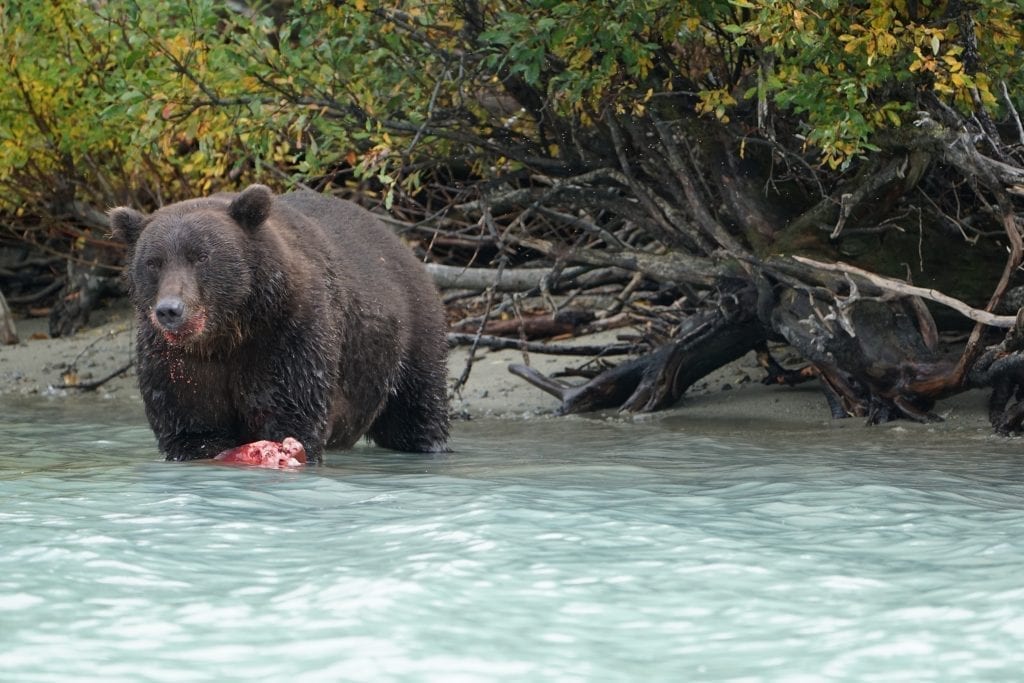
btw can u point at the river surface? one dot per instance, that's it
(539, 550)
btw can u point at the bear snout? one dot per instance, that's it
(170, 312)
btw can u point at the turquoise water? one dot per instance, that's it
(556, 550)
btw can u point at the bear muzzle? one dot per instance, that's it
(177, 321)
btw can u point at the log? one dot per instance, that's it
(463, 339)
(705, 342)
(520, 279)
(566, 321)
(511, 280)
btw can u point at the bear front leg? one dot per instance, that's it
(292, 401)
(180, 446)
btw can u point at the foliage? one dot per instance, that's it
(852, 68)
(147, 102)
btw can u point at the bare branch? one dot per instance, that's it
(984, 317)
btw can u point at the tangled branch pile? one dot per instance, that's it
(672, 164)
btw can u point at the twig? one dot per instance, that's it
(845, 206)
(502, 261)
(96, 383)
(430, 113)
(521, 324)
(88, 347)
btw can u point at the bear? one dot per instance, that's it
(263, 316)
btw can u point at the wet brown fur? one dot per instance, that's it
(320, 325)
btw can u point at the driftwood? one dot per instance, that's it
(564, 322)
(461, 339)
(706, 341)
(521, 279)
(868, 339)
(479, 279)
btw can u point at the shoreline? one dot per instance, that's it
(730, 400)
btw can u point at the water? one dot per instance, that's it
(568, 550)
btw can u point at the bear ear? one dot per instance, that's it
(251, 208)
(126, 224)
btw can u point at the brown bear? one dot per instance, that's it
(297, 315)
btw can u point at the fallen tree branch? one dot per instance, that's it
(977, 315)
(511, 280)
(462, 339)
(672, 267)
(568, 321)
(520, 279)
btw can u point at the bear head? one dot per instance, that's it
(191, 264)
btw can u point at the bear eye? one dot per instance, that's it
(201, 257)
(152, 263)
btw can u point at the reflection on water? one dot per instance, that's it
(572, 549)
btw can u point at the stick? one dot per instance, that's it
(977, 315)
(96, 383)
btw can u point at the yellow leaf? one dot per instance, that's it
(935, 45)
(580, 58)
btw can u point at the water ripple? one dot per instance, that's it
(638, 554)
